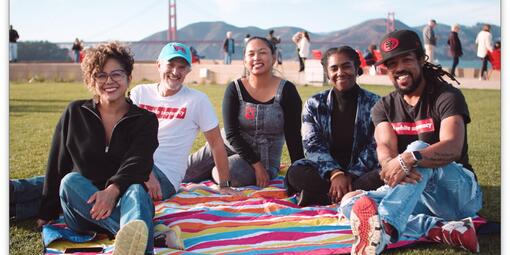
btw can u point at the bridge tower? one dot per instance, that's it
(390, 22)
(172, 20)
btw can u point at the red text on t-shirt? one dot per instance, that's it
(165, 112)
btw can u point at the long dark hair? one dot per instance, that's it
(435, 73)
(263, 39)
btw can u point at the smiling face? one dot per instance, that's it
(341, 71)
(405, 71)
(112, 82)
(172, 73)
(258, 58)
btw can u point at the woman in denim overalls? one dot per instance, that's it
(260, 112)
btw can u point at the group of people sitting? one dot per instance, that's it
(396, 165)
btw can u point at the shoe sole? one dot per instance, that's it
(366, 227)
(471, 227)
(131, 239)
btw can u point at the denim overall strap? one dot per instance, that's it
(238, 89)
(261, 126)
(278, 96)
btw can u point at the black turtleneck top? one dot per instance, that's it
(345, 104)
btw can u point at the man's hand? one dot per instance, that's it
(154, 188)
(413, 177)
(261, 175)
(104, 202)
(340, 185)
(393, 174)
(230, 191)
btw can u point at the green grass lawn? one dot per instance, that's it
(35, 109)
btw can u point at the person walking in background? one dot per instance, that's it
(430, 40)
(228, 48)
(246, 39)
(304, 49)
(13, 44)
(296, 38)
(275, 40)
(484, 45)
(77, 47)
(370, 58)
(455, 47)
(303, 43)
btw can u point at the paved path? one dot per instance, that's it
(467, 83)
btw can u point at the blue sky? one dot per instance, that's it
(94, 20)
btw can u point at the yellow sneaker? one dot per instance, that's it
(131, 239)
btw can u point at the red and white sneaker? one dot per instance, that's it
(456, 233)
(369, 236)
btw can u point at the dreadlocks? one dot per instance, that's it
(436, 73)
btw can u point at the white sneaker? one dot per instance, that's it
(131, 239)
(370, 237)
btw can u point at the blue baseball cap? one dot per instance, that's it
(173, 50)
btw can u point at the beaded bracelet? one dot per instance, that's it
(403, 164)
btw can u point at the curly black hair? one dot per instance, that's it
(96, 58)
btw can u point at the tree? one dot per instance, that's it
(42, 51)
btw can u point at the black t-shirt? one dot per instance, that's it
(13, 36)
(423, 121)
(291, 105)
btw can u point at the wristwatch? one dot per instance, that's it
(225, 184)
(417, 157)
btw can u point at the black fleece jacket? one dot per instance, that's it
(79, 145)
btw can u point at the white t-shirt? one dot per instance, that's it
(484, 42)
(304, 47)
(180, 117)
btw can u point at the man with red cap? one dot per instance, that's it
(420, 130)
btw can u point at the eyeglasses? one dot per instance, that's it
(116, 75)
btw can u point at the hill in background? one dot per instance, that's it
(207, 38)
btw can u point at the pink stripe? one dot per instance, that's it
(275, 236)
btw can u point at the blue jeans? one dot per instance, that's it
(446, 193)
(25, 197)
(201, 167)
(167, 189)
(26, 194)
(76, 56)
(13, 51)
(228, 58)
(134, 204)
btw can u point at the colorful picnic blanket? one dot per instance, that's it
(264, 221)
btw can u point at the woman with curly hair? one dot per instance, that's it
(100, 156)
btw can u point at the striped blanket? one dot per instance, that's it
(264, 221)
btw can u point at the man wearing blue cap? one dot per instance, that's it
(181, 112)
(420, 130)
